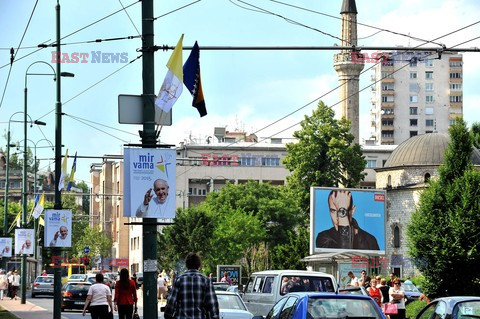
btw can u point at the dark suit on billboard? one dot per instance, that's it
(352, 238)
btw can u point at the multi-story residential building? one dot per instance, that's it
(422, 97)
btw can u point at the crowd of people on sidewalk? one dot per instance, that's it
(389, 295)
(9, 284)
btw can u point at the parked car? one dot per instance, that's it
(232, 306)
(265, 288)
(220, 286)
(43, 285)
(308, 305)
(77, 277)
(354, 291)
(411, 292)
(74, 295)
(451, 308)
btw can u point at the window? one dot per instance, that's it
(270, 161)
(455, 64)
(429, 110)
(428, 132)
(387, 111)
(452, 121)
(414, 87)
(455, 75)
(426, 178)
(413, 98)
(387, 122)
(428, 74)
(455, 98)
(275, 309)
(428, 86)
(413, 133)
(456, 86)
(389, 181)
(387, 87)
(429, 62)
(288, 309)
(396, 237)
(383, 163)
(371, 163)
(413, 111)
(413, 63)
(257, 286)
(267, 288)
(413, 122)
(429, 98)
(413, 75)
(428, 122)
(387, 75)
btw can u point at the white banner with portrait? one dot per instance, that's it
(6, 247)
(58, 228)
(150, 183)
(24, 241)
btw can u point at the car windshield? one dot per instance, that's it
(230, 302)
(342, 308)
(44, 279)
(410, 287)
(467, 310)
(305, 283)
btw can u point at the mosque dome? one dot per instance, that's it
(427, 149)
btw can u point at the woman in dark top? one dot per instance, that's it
(125, 295)
(384, 292)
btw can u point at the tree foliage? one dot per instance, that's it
(323, 156)
(475, 131)
(444, 231)
(239, 224)
(93, 237)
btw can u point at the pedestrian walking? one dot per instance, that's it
(161, 286)
(192, 294)
(15, 285)
(3, 283)
(9, 284)
(99, 297)
(125, 295)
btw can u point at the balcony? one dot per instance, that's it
(453, 110)
(388, 128)
(388, 92)
(455, 115)
(387, 140)
(388, 104)
(456, 105)
(388, 116)
(388, 80)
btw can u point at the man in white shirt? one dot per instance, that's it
(60, 238)
(155, 207)
(354, 280)
(26, 247)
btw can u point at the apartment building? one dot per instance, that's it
(415, 93)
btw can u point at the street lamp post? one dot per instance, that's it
(24, 188)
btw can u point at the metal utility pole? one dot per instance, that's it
(149, 138)
(57, 274)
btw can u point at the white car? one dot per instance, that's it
(232, 306)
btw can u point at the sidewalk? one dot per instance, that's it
(26, 311)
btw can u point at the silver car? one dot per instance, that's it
(232, 306)
(43, 285)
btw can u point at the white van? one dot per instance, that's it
(265, 288)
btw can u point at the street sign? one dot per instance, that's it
(86, 250)
(130, 111)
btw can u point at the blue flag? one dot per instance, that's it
(191, 79)
(72, 174)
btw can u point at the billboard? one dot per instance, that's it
(343, 219)
(234, 273)
(24, 241)
(6, 247)
(150, 183)
(58, 228)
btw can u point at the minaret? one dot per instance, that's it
(348, 71)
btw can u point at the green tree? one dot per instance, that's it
(444, 231)
(191, 231)
(93, 237)
(287, 256)
(323, 156)
(475, 131)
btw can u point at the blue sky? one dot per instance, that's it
(244, 90)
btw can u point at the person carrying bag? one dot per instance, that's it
(125, 296)
(397, 301)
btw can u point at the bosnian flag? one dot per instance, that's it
(72, 174)
(191, 79)
(61, 182)
(173, 84)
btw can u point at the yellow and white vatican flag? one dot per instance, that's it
(61, 182)
(173, 84)
(37, 211)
